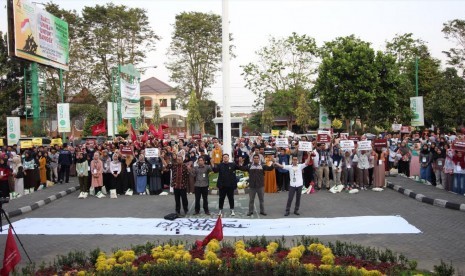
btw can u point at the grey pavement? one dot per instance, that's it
(441, 238)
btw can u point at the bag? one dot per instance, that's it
(113, 193)
(50, 183)
(171, 216)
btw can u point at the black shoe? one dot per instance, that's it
(296, 213)
(263, 213)
(207, 213)
(286, 214)
(196, 213)
(249, 214)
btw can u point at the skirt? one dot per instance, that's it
(270, 182)
(141, 183)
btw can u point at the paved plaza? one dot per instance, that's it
(442, 229)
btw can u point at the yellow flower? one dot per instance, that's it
(326, 267)
(309, 267)
(328, 259)
(162, 261)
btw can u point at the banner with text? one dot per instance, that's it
(416, 104)
(13, 130)
(282, 142)
(151, 152)
(64, 123)
(325, 122)
(130, 110)
(305, 146)
(40, 36)
(347, 144)
(364, 145)
(130, 91)
(112, 118)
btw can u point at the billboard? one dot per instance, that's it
(40, 36)
(13, 130)
(64, 124)
(416, 104)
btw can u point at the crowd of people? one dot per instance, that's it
(121, 167)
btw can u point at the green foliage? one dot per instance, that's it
(12, 69)
(454, 30)
(94, 116)
(348, 78)
(194, 118)
(207, 110)
(336, 123)
(156, 118)
(442, 104)
(195, 53)
(304, 112)
(444, 269)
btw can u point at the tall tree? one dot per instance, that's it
(454, 30)
(114, 35)
(156, 118)
(194, 119)
(11, 73)
(443, 106)
(286, 64)
(207, 110)
(347, 79)
(304, 111)
(195, 53)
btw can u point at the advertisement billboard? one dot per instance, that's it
(40, 36)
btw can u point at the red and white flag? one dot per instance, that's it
(12, 257)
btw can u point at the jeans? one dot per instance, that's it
(425, 173)
(201, 192)
(459, 183)
(178, 195)
(292, 191)
(227, 191)
(362, 180)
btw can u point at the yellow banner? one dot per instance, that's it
(37, 142)
(1, 142)
(275, 133)
(26, 144)
(56, 141)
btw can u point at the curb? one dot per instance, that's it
(36, 205)
(422, 198)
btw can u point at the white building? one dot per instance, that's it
(153, 91)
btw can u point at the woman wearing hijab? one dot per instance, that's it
(82, 170)
(127, 175)
(18, 173)
(107, 174)
(96, 169)
(439, 158)
(42, 170)
(29, 172)
(4, 174)
(380, 159)
(449, 168)
(426, 158)
(405, 156)
(115, 169)
(415, 160)
(142, 170)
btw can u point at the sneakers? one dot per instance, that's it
(439, 186)
(220, 212)
(81, 195)
(85, 195)
(232, 213)
(100, 195)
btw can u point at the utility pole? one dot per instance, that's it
(416, 76)
(227, 147)
(35, 98)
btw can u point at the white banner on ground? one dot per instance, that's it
(203, 226)
(130, 91)
(112, 118)
(282, 143)
(64, 124)
(130, 110)
(13, 130)
(347, 144)
(325, 122)
(416, 104)
(364, 145)
(151, 152)
(305, 146)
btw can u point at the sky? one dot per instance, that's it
(253, 22)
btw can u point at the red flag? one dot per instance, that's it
(153, 130)
(216, 233)
(100, 128)
(145, 137)
(12, 257)
(133, 134)
(163, 126)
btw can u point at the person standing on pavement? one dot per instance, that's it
(257, 183)
(64, 160)
(54, 164)
(200, 174)
(296, 183)
(227, 182)
(282, 174)
(179, 182)
(322, 163)
(82, 169)
(142, 170)
(96, 169)
(4, 174)
(115, 169)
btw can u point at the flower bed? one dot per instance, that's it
(252, 257)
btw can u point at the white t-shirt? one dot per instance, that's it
(295, 174)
